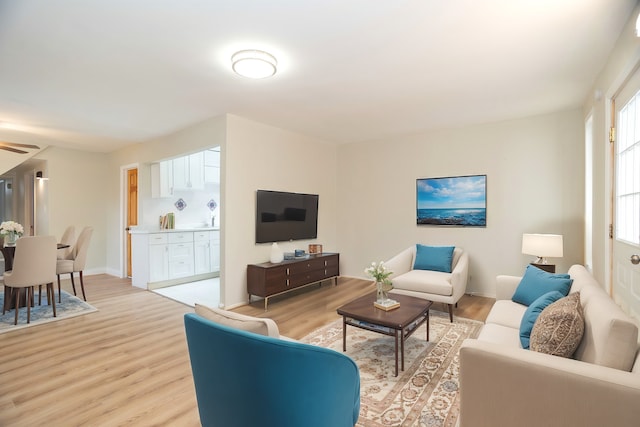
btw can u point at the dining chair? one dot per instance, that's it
(34, 264)
(68, 238)
(76, 263)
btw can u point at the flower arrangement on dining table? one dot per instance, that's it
(380, 273)
(12, 230)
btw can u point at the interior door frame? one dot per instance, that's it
(124, 188)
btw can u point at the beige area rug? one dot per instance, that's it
(426, 392)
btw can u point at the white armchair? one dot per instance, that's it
(431, 285)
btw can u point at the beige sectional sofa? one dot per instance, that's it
(502, 384)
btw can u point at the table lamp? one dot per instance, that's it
(543, 246)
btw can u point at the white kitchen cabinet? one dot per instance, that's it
(173, 256)
(158, 257)
(211, 166)
(202, 252)
(215, 250)
(162, 179)
(188, 172)
(180, 254)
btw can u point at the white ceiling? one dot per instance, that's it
(101, 74)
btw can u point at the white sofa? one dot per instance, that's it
(502, 384)
(434, 286)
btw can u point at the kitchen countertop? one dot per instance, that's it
(143, 230)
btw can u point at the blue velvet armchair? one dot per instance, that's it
(244, 379)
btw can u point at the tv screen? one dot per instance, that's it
(458, 200)
(282, 216)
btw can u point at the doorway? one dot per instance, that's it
(625, 232)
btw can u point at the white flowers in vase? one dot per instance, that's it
(11, 227)
(380, 274)
(12, 230)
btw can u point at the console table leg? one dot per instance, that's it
(266, 301)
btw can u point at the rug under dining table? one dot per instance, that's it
(426, 392)
(71, 306)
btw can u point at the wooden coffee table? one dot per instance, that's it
(399, 323)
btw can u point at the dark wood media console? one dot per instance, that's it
(268, 279)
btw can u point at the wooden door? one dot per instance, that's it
(132, 210)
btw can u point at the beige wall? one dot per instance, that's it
(534, 169)
(258, 156)
(77, 195)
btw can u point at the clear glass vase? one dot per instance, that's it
(10, 238)
(381, 294)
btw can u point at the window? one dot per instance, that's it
(628, 172)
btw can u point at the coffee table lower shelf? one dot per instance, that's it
(398, 323)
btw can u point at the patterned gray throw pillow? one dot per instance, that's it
(559, 328)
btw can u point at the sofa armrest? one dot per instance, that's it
(460, 276)
(506, 286)
(401, 263)
(503, 386)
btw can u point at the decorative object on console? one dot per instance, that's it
(315, 249)
(457, 201)
(12, 231)
(276, 253)
(380, 274)
(180, 204)
(543, 246)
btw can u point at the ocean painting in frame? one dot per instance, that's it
(456, 201)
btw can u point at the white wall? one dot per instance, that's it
(624, 58)
(534, 169)
(257, 156)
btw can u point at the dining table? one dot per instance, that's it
(8, 252)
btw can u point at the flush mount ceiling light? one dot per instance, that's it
(255, 64)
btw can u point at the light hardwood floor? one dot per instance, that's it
(128, 364)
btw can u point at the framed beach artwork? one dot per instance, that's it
(455, 201)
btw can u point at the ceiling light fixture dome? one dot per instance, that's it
(255, 64)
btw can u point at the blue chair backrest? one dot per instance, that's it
(244, 379)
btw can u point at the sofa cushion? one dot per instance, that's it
(436, 258)
(433, 282)
(536, 283)
(531, 315)
(499, 334)
(506, 313)
(559, 327)
(239, 321)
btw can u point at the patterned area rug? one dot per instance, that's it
(71, 306)
(426, 392)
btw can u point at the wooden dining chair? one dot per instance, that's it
(34, 264)
(76, 264)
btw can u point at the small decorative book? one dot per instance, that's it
(387, 305)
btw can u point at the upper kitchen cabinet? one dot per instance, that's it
(212, 166)
(188, 172)
(182, 173)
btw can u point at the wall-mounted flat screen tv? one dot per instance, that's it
(458, 200)
(282, 216)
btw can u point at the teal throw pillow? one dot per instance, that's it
(532, 313)
(436, 258)
(536, 283)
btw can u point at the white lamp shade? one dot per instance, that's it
(254, 64)
(542, 245)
